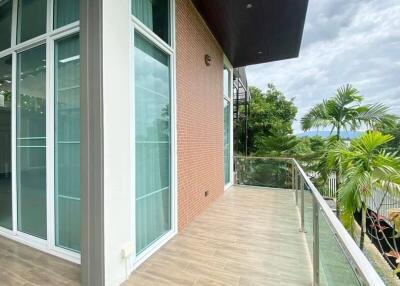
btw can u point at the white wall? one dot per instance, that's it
(117, 135)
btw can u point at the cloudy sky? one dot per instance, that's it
(344, 41)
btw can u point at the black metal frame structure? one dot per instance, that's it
(241, 97)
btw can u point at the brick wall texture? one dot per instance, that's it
(199, 114)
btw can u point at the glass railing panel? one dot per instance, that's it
(308, 219)
(334, 267)
(334, 255)
(264, 172)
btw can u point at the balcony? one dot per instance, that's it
(273, 228)
(249, 236)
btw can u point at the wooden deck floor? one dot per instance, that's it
(23, 265)
(250, 236)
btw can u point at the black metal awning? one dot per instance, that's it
(255, 31)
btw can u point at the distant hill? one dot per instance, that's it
(346, 135)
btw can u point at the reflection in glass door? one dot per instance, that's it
(152, 127)
(227, 142)
(40, 124)
(31, 141)
(5, 143)
(227, 126)
(67, 143)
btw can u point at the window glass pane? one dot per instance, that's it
(65, 12)
(5, 143)
(31, 141)
(226, 83)
(5, 24)
(152, 121)
(155, 15)
(227, 142)
(67, 143)
(31, 19)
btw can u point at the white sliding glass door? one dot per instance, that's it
(152, 121)
(40, 124)
(153, 97)
(227, 74)
(67, 143)
(31, 141)
(5, 143)
(227, 143)
(6, 101)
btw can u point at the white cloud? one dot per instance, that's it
(345, 41)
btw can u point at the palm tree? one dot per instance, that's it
(367, 167)
(345, 111)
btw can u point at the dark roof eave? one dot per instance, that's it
(269, 31)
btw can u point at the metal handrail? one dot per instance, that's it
(266, 158)
(361, 266)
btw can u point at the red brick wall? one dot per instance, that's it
(199, 114)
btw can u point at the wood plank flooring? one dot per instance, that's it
(23, 265)
(250, 236)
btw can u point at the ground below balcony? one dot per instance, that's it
(250, 236)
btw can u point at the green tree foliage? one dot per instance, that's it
(394, 130)
(367, 167)
(310, 148)
(309, 151)
(269, 124)
(345, 111)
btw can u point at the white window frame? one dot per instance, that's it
(48, 39)
(227, 65)
(170, 50)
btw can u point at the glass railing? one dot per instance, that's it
(264, 172)
(337, 260)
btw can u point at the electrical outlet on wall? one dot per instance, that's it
(127, 251)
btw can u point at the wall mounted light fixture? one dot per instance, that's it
(207, 60)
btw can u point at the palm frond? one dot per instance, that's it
(344, 111)
(371, 141)
(375, 114)
(347, 94)
(316, 117)
(349, 196)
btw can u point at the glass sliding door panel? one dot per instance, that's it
(5, 143)
(152, 141)
(227, 142)
(155, 15)
(31, 141)
(5, 24)
(67, 143)
(65, 12)
(226, 84)
(32, 16)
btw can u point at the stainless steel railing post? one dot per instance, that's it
(292, 176)
(301, 203)
(365, 272)
(296, 185)
(315, 242)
